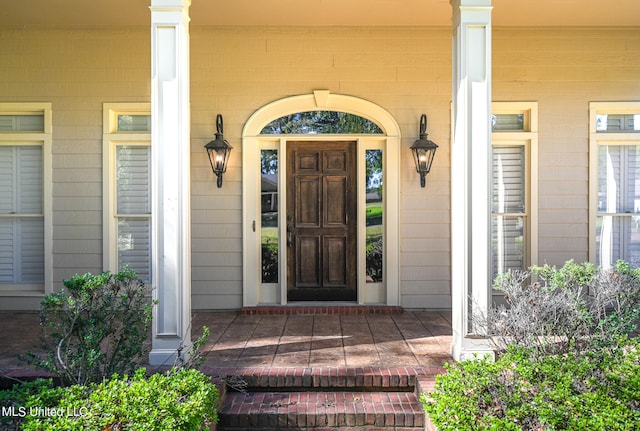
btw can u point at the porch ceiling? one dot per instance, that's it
(90, 13)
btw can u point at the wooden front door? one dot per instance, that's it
(321, 221)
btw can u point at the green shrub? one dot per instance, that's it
(523, 391)
(14, 403)
(180, 400)
(94, 327)
(576, 307)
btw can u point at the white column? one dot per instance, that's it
(170, 148)
(470, 175)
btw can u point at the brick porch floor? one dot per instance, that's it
(409, 339)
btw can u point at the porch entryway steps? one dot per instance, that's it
(321, 410)
(326, 398)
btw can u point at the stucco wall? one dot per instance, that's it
(235, 71)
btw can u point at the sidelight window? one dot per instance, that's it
(269, 215)
(374, 216)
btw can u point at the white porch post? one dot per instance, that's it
(470, 174)
(170, 148)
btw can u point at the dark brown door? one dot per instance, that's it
(321, 221)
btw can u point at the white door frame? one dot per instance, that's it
(254, 292)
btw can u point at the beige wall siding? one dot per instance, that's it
(235, 71)
(77, 70)
(563, 70)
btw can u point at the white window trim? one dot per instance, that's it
(44, 139)
(608, 138)
(254, 292)
(111, 138)
(529, 140)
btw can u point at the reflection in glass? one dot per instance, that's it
(617, 237)
(321, 122)
(507, 122)
(374, 246)
(508, 181)
(134, 123)
(618, 174)
(269, 220)
(617, 123)
(134, 245)
(507, 243)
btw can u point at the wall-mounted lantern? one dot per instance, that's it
(218, 151)
(423, 151)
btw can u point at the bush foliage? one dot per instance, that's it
(94, 327)
(576, 307)
(521, 391)
(179, 400)
(565, 357)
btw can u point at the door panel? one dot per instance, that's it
(307, 212)
(335, 261)
(308, 258)
(321, 221)
(335, 191)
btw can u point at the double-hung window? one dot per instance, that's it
(25, 178)
(514, 186)
(127, 188)
(615, 182)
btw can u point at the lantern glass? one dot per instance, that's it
(423, 150)
(218, 151)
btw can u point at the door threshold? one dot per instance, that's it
(344, 308)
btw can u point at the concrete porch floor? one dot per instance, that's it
(416, 339)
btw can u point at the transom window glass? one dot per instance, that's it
(507, 122)
(321, 122)
(616, 123)
(134, 123)
(22, 123)
(615, 190)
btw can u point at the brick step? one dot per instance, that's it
(301, 379)
(320, 309)
(320, 410)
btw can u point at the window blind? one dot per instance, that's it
(508, 208)
(133, 208)
(617, 232)
(21, 217)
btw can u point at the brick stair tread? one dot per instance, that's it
(305, 378)
(321, 410)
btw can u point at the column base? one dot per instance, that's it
(164, 352)
(163, 357)
(472, 348)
